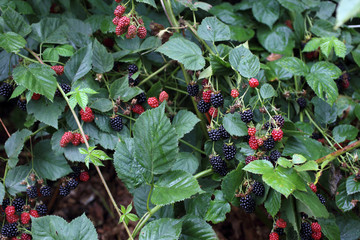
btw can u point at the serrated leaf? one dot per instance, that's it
(352, 186)
(308, 166)
(345, 132)
(230, 183)
(14, 144)
(218, 208)
(266, 11)
(102, 60)
(173, 187)
(324, 28)
(312, 202)
(234, 126)
(346, 10)
(246, 63)
(15, 22)
(195, 228)
(183, 122)
(79, 64)
(184, 51)
(150, 2)
(327, 44)
(329, 228)
(120, 88)
(211, 29)
(312, 45)
(279, 39)
(49, 30)
(12, 42)
(65, 50)
(324, 113)
(342, 199)
(259, 167)
(51, 55)
(187, 162)
(14, 178)
(161, 229)
(298, 159)
(293, 65)
(273, 202)
(267, 91)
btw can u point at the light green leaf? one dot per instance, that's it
(266, 11)
(79, 64)
(293, 65)
(51, 55)
(327, 44)
(211, 29)
(183, 122)
(246, 63)
(267, 91)
(259, 167)
(284, 162)
(308, 166)
(161, 229)
(218, 209)
(324, 28)
(234, 126)
(15, 22)
(345, 132)
(312, 45)
(346, 10)
(120, 88)
(298, 159)
(12, 42)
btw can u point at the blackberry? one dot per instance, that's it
(45, 191)
(247, 116)
(5, 203)
(42, 209)
(279, 231)
(246, 138)
(64, 191)
(316, 135)
(279, 120)
(132, 68)
(249, 159)
(217, 99)
(229, 151)
(214, 134)
(202, 106)
(305, 231)
(302, 103)
(116, 123)
(268, 126)
(192, 89)
(303, 215)
(275, 155)
(65, 87)
(321, 198)
(76, 172)
(21, 104)
(18, 203)
(133, 82)
(6, 90)
(223, 132)
(218, 165)
(258, 189)
(9, 230)
(247, 203)
(141, 98)
(72, 183)
(32, 191)
(269, 143)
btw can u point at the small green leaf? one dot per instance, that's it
(259, 167)
(342, 199)
(345, 132)
(234, 125)
(12, 42)
(298, 159)
(51, 55)
(312, 45)
(183, 122)
(279, 39)
(100, 155)
(284, 162)
(246, 63)
(308, 166)
(83, 151)
(273, 202)
(266, 11)
(120, 88)
(218, 209)
(327, 44)
(352, 186)
(211, 29)
(65, 50)
(267, 91)
(293, 65)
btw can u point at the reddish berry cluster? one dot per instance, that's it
(213, 112)
(87, 115)
(253, 82)
(58, 69)
(74, 138)
(316, 231)
(137, 108)
(36, 96)
(234, 93)
(277, 134)
(154, 102)
(163, 96)
(274, 236)
(313, 187)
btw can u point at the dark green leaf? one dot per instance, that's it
(230, 183)
(14, 144)
(246, 63)
(183, 122)
(12, 42)
(15, 22)
(102, 105)
(79, 64)
(241, 34)
(233, 124)
(342, 199)
(293, 5)
(324, 28)
(65, 50)
(310, 200)
(101, 59)
(49, 30)
(218, 208)
(195, 228)
(345, 132)
(273, 202)
(187, 162)
(120, 88)
(198, 205)
(293, 65)
(23, 7)
(280, 39)
(309, 148)
(349, 227)
(150, 2)
(329, 228)
(352, 186)
(356, 55)
(324, 113)
(267, 91)
(14, 178)
(161, 229)
(211, 29)
(266, 11)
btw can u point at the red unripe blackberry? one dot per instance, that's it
(116, 123)
(25, 218)
(315, 227)
(82, 139)
(153, 102)
(280, 223)
(12, 219)
(217, 99)
(119, 10)
(345, 83)
(36, 96)
(192, 89)
(229, 150)
(123, 22)
(253, 143)
(206, 96)
(260, 142)
(253, 82)
(131, 33)
(84, 176)
(214, 134)
(251, 131)
(25, 236)
(77, 139)
(277, 134)
(213, 112)
(249, 159)
(10, 210)
(59, 69)
(218, 165)
(258, 189)
(141, 32)
(247, 203)
(42, 209)
(137, 108)
(118, 1)
(119, 30)
(66, 138)
(313, 187)
(6, 90)
(87, 115)
(34, 213)
(274, 236)
(203, 106)
(163, 96)
(224, 134)
(234, 93)
(115, 20)
(316, 235)
(247, 116)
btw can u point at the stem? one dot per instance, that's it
(178, 90)
(2, 123)
(154, 73)
(198, 38)
(148, 198)
(317, 126)
(203, 173)
(334, 155)
(144, 220)
(189, 145)
(34, 54)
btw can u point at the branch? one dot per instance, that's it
(337, 153)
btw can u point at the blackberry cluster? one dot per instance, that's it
(218, 165)
(5, 203)
(64, 191)
(76, 172)
(9, 230)
(279, 120)
(6, 90)
(217, 99)
(247, 203)
(249, 159)
(202, 106)
(132, 68)
(321, 198)
(133, 82)
(72, 183)
(32, 191)
(269, 143)
(214, 134)
(247, 116)
(279, 231)
(316, 135)
(141, 98)
(42, 209)
(258, 189)
(18, 203)
(305, 231)
(192, 89)
(302, 103)
(21, 104)
(268, 126)
(116, 123)
(266, 158)
(274, 156)
(246, 138)
(45, 191)
(229, 151)
(65, 87)
(223, 132)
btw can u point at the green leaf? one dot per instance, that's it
(349, 226)
(120, 88)
(266, 11)
(150, 2)
(279, 40)
(198, 205)
(51, 55)
(241, 34)
(14, 144)
(267, 91)
(312, 45)
(48, 164)
(230, 183)
(184, 51)
(324, 28)
(161, 229)
(352, 186)
(23, 7)
(259, 167)
(183, 122)
(15, 22)
(342, 199)
(102, 105)
(195, 228)
(246, 63)
(309, 148)
(298, 159)
(345, 132)
(211, 29)
(324, 113)
(293, 5)
(187, 162)
(218, 208)
(14, 178)
(310, 200)
(356, 55)
(346, 10)
(276, 72)
(273, 202)
(65, 50)
(327, 44)
(54, 227)
(79, 64)
(320, 79)
(234, 126)
(293, 65)
(288, 210)
(284, 162)
(12, 42)
(156, 141)
(49, 30)
(280, 181)
(2, 192)
(308, 166)
(329, 228)
(37, 78)
(18, 91)
(326, 9)
(102, 60)
(173, 187)
(100, 154)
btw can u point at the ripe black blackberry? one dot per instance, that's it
(279, 231)
(31, 191)
(202, 106)
(218, 165)
(217, 99)
(321, 198)
(9, 230)
(5, 203)
(246, 138)
(133, 82)
(275, 155)
(229, 151)
(247, 203)
(247, 116)
(65, 87)
(21, 104)
(269, 143)
(116, 123)
(305, 231)
(192, 89)
(45, 191)
(223, 132)
(303, 215)
(267, 126)
(316, 135)
(132, 68)
(18, 203)
(72, 183)
(279, 120)
(76, 172)
(214, 134)
(302, 103)
(141, 98)
(258, 189)
(6, 90)
(64, 190)
(42, 209)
